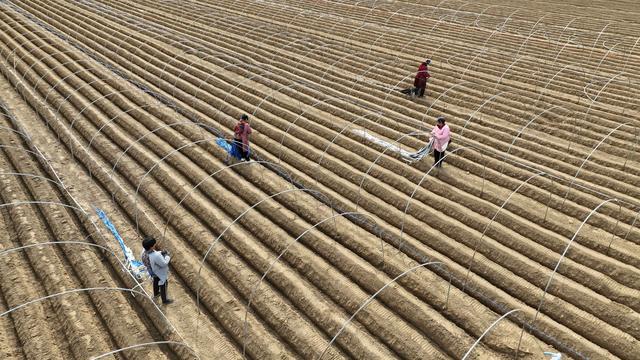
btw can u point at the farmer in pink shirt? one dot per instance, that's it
(441, 137)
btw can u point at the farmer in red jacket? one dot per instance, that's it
(241, 133)
(420, 81)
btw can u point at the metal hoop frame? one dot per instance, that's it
(236, 220)
(468, 353)
(475, 248)
(146, 296)
(295, 241)
(372, 297)
(210, 176)
(176, 343)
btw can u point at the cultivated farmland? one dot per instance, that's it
(327, 244)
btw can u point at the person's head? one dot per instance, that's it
(440, 122)
(149, 243)
(427, 62)
(244, 117)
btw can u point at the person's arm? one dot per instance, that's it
(444, 134)
(159, 260)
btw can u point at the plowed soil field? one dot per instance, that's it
(326, 244)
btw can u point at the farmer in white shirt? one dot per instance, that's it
(159, 261)
(147, 244)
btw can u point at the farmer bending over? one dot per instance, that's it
(420, 81)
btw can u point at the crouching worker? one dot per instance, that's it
(159, 264)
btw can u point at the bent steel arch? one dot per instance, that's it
(609, 50)
(177, 63)
(24, 136)
(552, 78)
(477, 19)
(48, 243)
(285, 46)
(308, 53)
(361, 77)
(482, 52)
(366, 174)
(135, 202)
(52, 70)
(21, 45)
(35, 176)
(438, 98)
(124, 112)
(633, 223)
(493, 97)
(276, 91)
(455, 16)
(164, 342)
(475, 248)
(374, 7)
(523, 128)
(271, 197)
(340, 60)
(372, 297)
(352, 123)
(294, 241)
(569, 41)
(210, 176)
(75, 73)
(11, 24)
(191, 65)
(426, 174)
(626, 62)
(507, 69)
(38, 202)
(309, 108)
(575, 177)
(229, 65)
(70, 292)
(237, 86)
(122, 154)
(546, 288)
(565, 29)
(74, 92)
(532, 32)
(468, 353)
(93, 103)
(596, 40)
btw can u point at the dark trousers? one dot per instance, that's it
(163, 291)
(420, 91)
(438, 158)
(156, 287)
(244, 154)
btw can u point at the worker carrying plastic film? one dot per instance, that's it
(441, 136)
